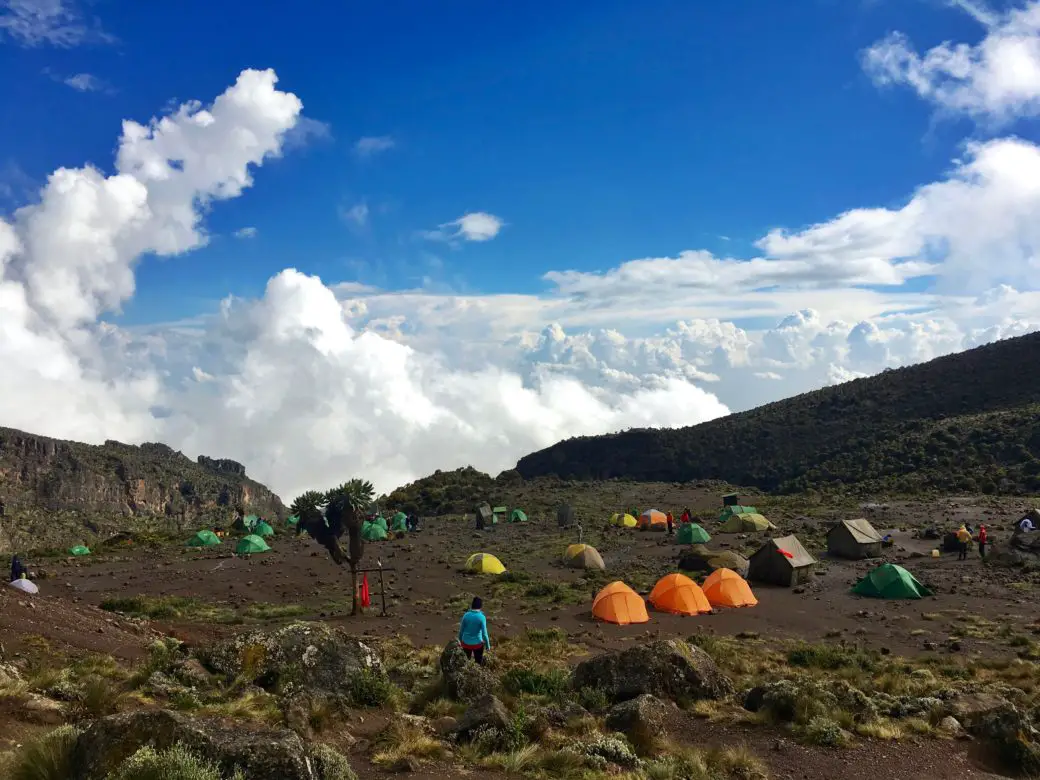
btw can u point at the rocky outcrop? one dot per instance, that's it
(485, 714)
(668, 669)
(464, 680)
(106, 486)
(644, 716)
(261, 753)
(301, 658)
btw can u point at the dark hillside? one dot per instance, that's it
(969, 421)
(55, 491)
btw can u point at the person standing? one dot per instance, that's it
(983, 538)
(671, 523)
(963, 538)
(473, 632)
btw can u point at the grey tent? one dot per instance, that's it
(854, 539)
(781, 561)
(565, 516)
(485, 516)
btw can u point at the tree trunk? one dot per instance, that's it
(355, 606)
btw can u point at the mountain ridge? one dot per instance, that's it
(968, 421)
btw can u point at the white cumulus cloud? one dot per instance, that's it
(996, 79)
(474, 226)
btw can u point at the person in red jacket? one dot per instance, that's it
(685, 516)
(983, 538)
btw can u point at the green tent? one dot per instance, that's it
(399, 523)
(246, 524)
(889, 581)
(204, 539)
(79, 549)
(518, 516)
(292, 521)
(691, 533)
(500, 513)
(262, 529)
(251, 544)
(381, 522)
(374, 531)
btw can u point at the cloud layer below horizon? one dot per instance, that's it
(319, 380)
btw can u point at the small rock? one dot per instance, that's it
(950, 725)
(405, 764)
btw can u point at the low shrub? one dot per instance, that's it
(48, 758)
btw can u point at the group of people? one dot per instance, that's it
(965, 537)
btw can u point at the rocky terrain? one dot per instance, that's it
(57, 492)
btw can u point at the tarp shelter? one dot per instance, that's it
(79, 549)
(623, 520)
(618, 603)
(854, 539)
(204, 539)
(248, 545)
(745, 522)
(399, 523)
(518, 516)
(374, 532)
(25, 586)
(678, 594)
(731, 499)
(889, 581)
(584, 557)
(485, 563)
(652, 520)
(485, 516)
(691, 533)
(500, 513)
(565, 516)
(292, 521)
(782, 561)
(726, 588)
(263, 530)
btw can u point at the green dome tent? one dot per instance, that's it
(251, 544)
(399, 523)
(374, 532)
(246, 524)
(292, 521)
(381, 522)
(518, 516)
(204, 539)
(691, 533)
(262, 529)
(889, 581)
(79, 549)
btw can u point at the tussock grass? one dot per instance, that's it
(263, 611)
(176, 763)
(170, 608)
(402, 739)
(257, 707)
(48, 758)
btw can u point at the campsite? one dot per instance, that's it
(542, 574)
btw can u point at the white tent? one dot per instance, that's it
(26, 586)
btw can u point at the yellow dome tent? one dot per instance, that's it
(584, 556)
(623, 520)
(485, 563)
(746, 522)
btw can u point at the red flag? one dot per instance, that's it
(365, 598)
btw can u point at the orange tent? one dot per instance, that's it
(653, 520)
(618, 603)
(726, 588)
(678, 594)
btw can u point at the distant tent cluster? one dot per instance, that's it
(676, 594)
(486, 515)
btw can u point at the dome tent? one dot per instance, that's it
(262, 529)
(484, 563)
(617, 603)
(889, 581)
(79, 549)
(518, 516)
(203, 538)
(292, 521)
(623, 520)
(399, 523)
(678, 594)
(374, 532)
(585, 557)
(25, 586)
(726, 588)
(251, 544)
(652, 520)
(691, 533)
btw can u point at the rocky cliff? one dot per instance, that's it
(56, 492)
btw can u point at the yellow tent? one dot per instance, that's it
(745, 523)
(624, 520)
(485, 563)
(574, 549)
(584, 556)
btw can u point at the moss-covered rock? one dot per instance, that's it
(464, 680)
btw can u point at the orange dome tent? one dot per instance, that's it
(652, 520)
(726, 588)
(618, 603)
(678, 594)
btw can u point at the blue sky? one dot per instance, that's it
(599, 132)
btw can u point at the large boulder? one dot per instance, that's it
(644, 715)
(667, 669)
(300, 657)
(970, 708)
(1012, 735)
(485, 714)
(464, 680)
(261, 753)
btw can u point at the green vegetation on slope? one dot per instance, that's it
(965, 422)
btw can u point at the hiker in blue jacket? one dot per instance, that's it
(473, 632)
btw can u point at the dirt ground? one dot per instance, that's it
(975, 608)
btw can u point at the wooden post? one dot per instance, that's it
(382, 590)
